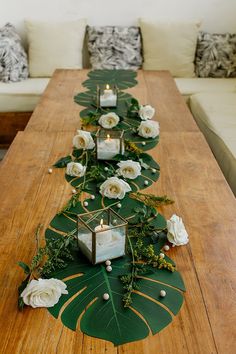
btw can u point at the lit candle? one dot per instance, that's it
(103, 233)
(107, 91)
(108, 99)
(108, 148)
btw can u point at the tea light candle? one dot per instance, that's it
(108, 99)
(103, 233)
(108, 148)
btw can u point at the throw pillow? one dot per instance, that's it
(113, 47)
(216, 55)
(54, 45)
(13, 59)
(169, 46)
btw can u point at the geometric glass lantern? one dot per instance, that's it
(109, 143)
(107, 96)
(102, 235)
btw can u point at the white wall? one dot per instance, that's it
(216, 15)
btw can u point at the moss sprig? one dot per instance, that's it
(151, 200)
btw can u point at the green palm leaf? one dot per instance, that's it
(123, 79)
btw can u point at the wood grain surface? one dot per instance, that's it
(189, 175)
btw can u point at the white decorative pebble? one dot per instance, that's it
(154, 170)
(162, 293)
(50, 170)
(108, 263)
(74, 191)
(161, 255)
(85, 204)
(119, 205)
(146, 183)
(109, 268)
(166, 248)
(143, 143)
(106, 169)
(106, 296)
(92, 197)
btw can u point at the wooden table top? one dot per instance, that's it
(189, 175)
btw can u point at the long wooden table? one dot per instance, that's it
(189, 174)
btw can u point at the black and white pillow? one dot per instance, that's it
(13, 59)
(216, 55)
(113, 47)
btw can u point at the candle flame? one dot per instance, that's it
(101, 223)
(107, 87)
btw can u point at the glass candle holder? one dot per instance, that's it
(107, 96)
(109, 143)
(102, 235)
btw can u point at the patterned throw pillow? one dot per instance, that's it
(114, 47)
(216, 55)
(13, 59)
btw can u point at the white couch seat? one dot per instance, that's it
(191, 86)
(21, 96)
(215, 114)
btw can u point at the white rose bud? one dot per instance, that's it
(83, 140)
(114, 188)
(146, 112)
(177, 233)
(75, 169)
(43, 292)
(109, 120)
(149, 129)
(129, 169)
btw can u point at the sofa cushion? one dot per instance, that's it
(21, 96)
(169, 46)
(190, 86)
(54, 45)
(215, 113)
(13, 59)
(216, 55)
(112, 47)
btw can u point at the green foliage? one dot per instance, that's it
(133, 109)
(123, 79)
(151, 199)
(85, 300)
(54, 255)
(62, 162)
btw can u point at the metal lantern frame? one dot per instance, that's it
(100, 91)
(102, 134)
(94, 233)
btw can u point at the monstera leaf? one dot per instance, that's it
(123, 79)
(109, 320)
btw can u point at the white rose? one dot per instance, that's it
(83, 140)
(129, 169)
(146, 112)
(75, 169)
(177, 233)
(109, 120)
(43, 292)
(149, 129)
(114, 188)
